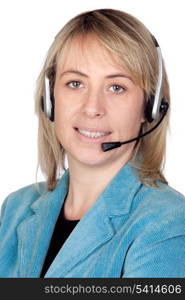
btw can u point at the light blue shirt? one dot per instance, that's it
(130, 231)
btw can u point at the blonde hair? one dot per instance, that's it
(130, 41)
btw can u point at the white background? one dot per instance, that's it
(27, 28)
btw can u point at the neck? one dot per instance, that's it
(86, 184)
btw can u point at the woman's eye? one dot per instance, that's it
(117, 88)
(74, 84)
(77, 84)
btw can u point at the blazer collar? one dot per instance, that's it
(119, 193)
(94, 229)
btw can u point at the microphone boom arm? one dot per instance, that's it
(111, 145)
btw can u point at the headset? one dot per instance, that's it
(156, 105)
(47, 100)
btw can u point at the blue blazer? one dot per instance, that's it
(130, 231)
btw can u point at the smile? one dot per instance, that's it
(92, 134)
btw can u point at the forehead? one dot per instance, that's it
(87, 52)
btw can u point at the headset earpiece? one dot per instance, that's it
(149, 107)
(47, 100)
(52, 108)
(164, 107)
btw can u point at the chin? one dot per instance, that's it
(92, 163)
(89, 157)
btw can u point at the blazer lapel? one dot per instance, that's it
(34, 233)
(93, 230)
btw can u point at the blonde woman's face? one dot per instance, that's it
(96, 101)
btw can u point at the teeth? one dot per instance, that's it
(92, 134)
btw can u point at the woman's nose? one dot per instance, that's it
(94, 105)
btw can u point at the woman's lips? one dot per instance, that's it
(92, 129)
(98, 139)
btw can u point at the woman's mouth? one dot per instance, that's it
(92, 136)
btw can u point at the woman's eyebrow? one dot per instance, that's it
(85, 75)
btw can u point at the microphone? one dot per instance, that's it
(112, 145)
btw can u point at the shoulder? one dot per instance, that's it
(20, 200)
(164, 198)
(159, 210)
(26, 200)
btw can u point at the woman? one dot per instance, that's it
(112, 213)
